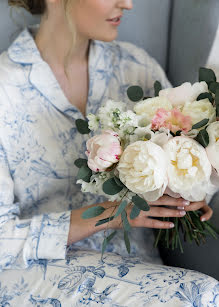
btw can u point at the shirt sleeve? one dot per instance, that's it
(140, 68)
(41, 237)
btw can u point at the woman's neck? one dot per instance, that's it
(54, 43)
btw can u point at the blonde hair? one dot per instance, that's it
(38, 7)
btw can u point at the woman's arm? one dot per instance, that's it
(81, 228)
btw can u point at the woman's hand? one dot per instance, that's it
(156, 210)
(201, 205)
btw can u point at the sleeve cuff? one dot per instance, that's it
(48, 236)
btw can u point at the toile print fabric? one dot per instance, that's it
(38, 146)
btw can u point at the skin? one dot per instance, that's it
(53, 40)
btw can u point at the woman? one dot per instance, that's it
(49, 77)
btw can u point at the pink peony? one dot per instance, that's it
(185, 92)
(103, 151)
(173, 120)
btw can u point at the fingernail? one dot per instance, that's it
(172, 225)
(180, 208)
(203, 219)
(186, 202)
(182, 213)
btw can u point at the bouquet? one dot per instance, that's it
(166, 144)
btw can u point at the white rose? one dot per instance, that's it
(199, 110)
(213, 148)
(142, 168)
(185, 92)
(189, 169)
(147, 108)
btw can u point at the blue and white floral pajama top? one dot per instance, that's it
(38, 146)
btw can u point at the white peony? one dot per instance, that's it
(199, 110)
(185, 92)
(142, 168)
(148, 107)
(189, 169)
(213, 148)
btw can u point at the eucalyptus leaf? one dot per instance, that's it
(206, 96)
(119, 182)
(207, 75)
(104, 245)
(135, 93)
(203, 138)
(213, 87)
(157, 88)
(122, 207)
(125, 221)
(107, 240)
(110, 187)
(82, 126)
(93, 212)
(178, 133)
(127, 242)
(140, 203)
(135, 212)
(84, 173)
(217, 102)
(80, 162)
(200, 124)
(104, 221)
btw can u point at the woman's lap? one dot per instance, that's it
(83, 279)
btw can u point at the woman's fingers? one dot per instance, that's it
(165, 212)
(153, 223)
(169, 201)
(208, 212)
(201, 205)
(195, 206)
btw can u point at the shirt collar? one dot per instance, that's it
(24, 50)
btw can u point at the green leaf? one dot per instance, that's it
(125, 221)
(84, 173)
(135, 212)
(127, 242)
(135, 93)
(157, 88)
(207, 75)
(103, 247)
(93, 212)
(107, 240)
(213, 87)
(217, 102)
(178, 133)
(206, 96)
(200, 124)
(122, 207)
(140, 203)
(110, 187)
(104, 221)
(80, 162)
(203, 138)
(119, 182)
(82, 126)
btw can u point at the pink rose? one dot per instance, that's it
(103, 151)
(173, 120)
